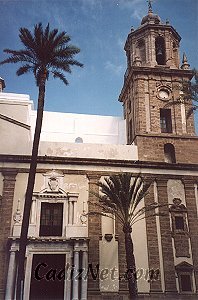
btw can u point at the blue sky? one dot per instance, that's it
(99, 28)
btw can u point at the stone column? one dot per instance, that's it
(153, 61)
(70, 209)
(11, 276)
(84, 278)
(5, 219)
(192, 223)
(94, 232)
(76, 273)
(166, 238)
(33, 209)
(68, 271)
(74, 211)
(152, 242)
(183, 118)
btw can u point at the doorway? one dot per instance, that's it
(47, 278)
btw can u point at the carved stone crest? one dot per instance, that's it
(53, 184)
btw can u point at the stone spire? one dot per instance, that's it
(185, 65)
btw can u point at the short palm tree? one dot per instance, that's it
(119, 197)
(45, 52)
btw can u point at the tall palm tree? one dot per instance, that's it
(45, 52)
(119, 197)
(188, 94)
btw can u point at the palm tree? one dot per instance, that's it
(188, 95)
(45, 52)
(119, 197)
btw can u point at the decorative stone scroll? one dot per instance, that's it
(17, 216)
(180, 232)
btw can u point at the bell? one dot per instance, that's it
(159, 52)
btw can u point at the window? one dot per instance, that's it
(142, 51)
(130, 132)
(185, 283)
(51, 219)
(175, 54)
(185, 271)
(169, 153)
(78, 140)
(165, 120)
(160, 51)
(179, 223)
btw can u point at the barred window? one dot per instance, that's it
(51, 221)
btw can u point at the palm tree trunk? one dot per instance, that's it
(29, 191)
(130, 260)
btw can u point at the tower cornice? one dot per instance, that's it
(158, 70)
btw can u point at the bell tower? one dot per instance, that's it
(153, 84)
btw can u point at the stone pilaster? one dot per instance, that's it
(192, 223)
(84, 280)
(94, 232)
(166, 239)
(11, 275)
(152, 243)
(76, 270)
(5, 221)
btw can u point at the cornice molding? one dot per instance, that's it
(92, 162)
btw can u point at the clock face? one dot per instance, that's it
(164, 94)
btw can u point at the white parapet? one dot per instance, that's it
(97, 151)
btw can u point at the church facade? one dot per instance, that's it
(72, 255)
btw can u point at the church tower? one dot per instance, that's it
(153, 83)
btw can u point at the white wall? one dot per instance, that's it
(66, 127)
(103, 137)
(98, 151)
(15, 134)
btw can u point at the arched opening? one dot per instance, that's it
(160, 51)
(175, 54)
(185, 277)
(79, 140)
(141, 50)
(165, 120)
(169, 153)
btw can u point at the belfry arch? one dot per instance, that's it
(160, 50)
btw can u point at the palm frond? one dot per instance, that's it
(105, 206)
(27, 39)
(188, 95)
(46, 51)
(60, 40)
(150, 216)
(121, 194)
(17, 56)
(61, 76)
(23, 70)
(57, 64)
(148, 208)
(111, 188)
(191, 111)
(134, 192)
